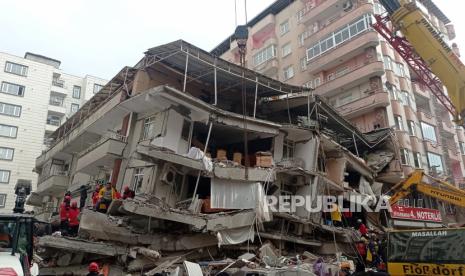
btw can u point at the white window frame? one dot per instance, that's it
(316, 82)
(53, 120)
(74, 108)
(284, 27)
(417, 160)
(16, 69)
(288, 72)
(428, 132)
(411, 128)
(399, 122)
(8, 87)
(137, 176)
(97, 88)
(10, 109)
(430, 156)
(3, 200)
(303, 64)
(405, 157)
(286, 49)
(5, 176)
(7, 153)
(12, 131)
(76, 92)
(56, 100)
(462, 147)
(264, 55)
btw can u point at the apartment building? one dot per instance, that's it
(329, 45)
(36, 97)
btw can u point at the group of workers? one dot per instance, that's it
(101, 199)
(370, 248)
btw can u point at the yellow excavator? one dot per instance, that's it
(420, 182)
(423, 48)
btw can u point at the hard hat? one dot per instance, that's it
(126, 188)
(359, 220)
(74, 204)
(93, 267)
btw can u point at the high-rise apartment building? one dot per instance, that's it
(330, 46)
(36, 96)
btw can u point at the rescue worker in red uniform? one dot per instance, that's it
(95, 196)
(64, 212)
(73, 215)
(128, 193)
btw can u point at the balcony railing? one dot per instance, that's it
(106, 137)
(56, 102)
(44, 177)
(58, 82)
(53, 122)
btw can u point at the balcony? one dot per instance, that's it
(425, 116)
(101, 155)
(353, 77)
(420, 90)
(57, 106)
(448, 127)
(343, 52)
(322, 10)
(58, 83)
(454, 153)
(364, 105)
(54, 184)
(269, 68)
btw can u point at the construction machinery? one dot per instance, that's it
(432, 187)
(16, 235)
(427, 54)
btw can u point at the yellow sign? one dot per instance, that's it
(401, 269)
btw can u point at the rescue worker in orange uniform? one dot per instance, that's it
(64, 209)
(73, 215)
(93, 269)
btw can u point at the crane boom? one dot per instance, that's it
(437, 58)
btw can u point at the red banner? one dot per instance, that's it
(413, 213)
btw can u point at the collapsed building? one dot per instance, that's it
(202, 142)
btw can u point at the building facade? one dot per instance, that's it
(36, 97)
(329, 45)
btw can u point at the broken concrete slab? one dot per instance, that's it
(75, 245)
(287, 237)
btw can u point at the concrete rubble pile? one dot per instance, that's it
(204, 172)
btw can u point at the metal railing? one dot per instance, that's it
(58, 82)
(53, 122)
(110, 135)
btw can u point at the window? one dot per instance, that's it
(308, 84)
(286, 50)
(379, 9)
(387, 62)
(396, 68)
(341, 71)
(77, 92)
(462, 147)
(6, 153)
(411, 128)
(288, 149)
(435, 162)
(284, 27)
(12, 89)
(153, 126)
(288, 72)
(340, 36)
(345, 98)
(404, 157)
(405, 98)
(53, 120)
(316, 82)
(4, 176)
(417, 160)
(10, 109)
(97, 87)
(303, 64)
(186, 130)
(2, 200)
(74, 108)
(137, 179)
(56, 100)
(399, 123)
(428, 131)
(15, 68)
(264, 55)
(402, 70)
(8, 131)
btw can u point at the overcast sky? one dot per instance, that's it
(99, 37)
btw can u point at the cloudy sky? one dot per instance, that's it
(99, 37)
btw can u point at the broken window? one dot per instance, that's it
(153, 126)
(137, 179)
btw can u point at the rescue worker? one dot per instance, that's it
(93, 269)
(362, 228)
(73, 215)
(64, 210)
(128, 193)
(336, 217)
(106, 196)
(98, 187)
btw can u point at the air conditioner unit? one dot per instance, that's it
(170, 174)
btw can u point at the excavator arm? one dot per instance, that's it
(427, 43)
(437, 189)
